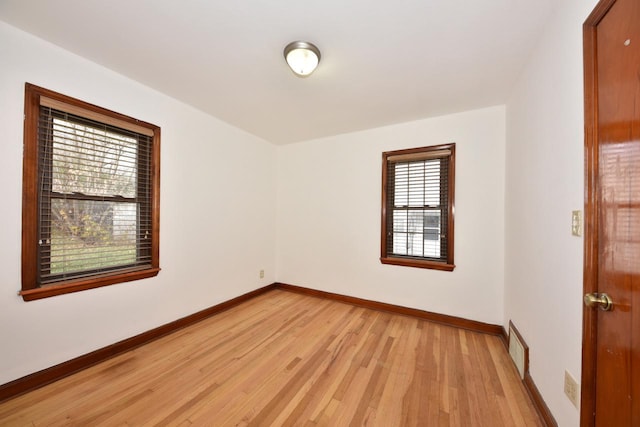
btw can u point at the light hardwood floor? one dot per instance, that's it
(285, 359)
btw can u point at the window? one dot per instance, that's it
(90, 211)
(417, 207)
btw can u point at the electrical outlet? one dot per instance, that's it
(576, 223)
(262, 274)
(571, 388)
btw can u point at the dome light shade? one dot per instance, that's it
(302, 57)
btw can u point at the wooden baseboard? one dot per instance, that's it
(54, 373)
(444, 319)
(505, 337)
(538, 401)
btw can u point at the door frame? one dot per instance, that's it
(591, 206)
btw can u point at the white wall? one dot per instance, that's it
(328, 204)
(328, 234)
(543, 278)
(217, 214)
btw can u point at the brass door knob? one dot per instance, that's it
(602, 301)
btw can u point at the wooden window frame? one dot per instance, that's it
(419, 262)
(31, 290)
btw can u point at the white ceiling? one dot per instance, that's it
(383, 61)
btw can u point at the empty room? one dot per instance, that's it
(293, 213)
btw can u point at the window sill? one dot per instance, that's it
(87, 283)
(407, 262)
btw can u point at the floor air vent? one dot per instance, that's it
(518, 350)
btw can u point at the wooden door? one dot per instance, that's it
(611, 354)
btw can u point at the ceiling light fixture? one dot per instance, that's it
(302, 57)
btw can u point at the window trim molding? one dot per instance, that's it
(30, 290)
(386, 258)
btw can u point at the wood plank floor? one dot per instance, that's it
(285, 359)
